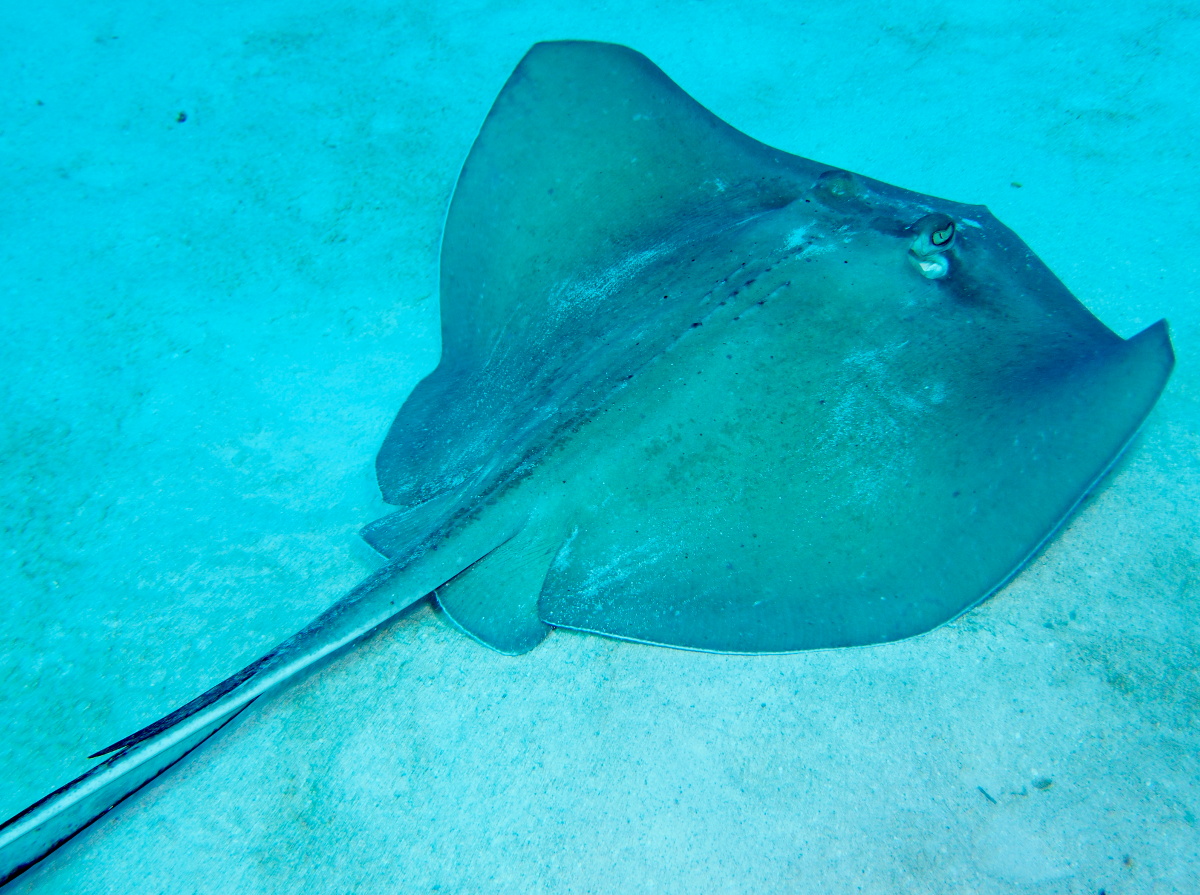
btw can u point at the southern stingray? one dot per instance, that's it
(698, 392)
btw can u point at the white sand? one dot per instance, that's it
(207, 327)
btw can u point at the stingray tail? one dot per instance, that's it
(28, 837)
(140, 757)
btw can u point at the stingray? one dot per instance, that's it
(698, 392)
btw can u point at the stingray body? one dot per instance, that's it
(699, 392)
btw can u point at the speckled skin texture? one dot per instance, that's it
(209, 324)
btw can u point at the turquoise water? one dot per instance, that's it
(219, 280)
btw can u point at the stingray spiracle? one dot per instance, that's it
(929, 249)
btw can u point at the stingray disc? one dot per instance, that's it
(750, 403)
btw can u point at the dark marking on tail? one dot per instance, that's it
(207, 698)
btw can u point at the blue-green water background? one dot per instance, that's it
(208, 324)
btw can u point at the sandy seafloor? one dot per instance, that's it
(208, 325)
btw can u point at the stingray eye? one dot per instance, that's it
(933, 239)
(838, 185)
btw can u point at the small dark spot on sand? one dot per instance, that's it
(697, 323)
(955, 494)
(1043, 783)
(1015, 184)
(181, 117)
